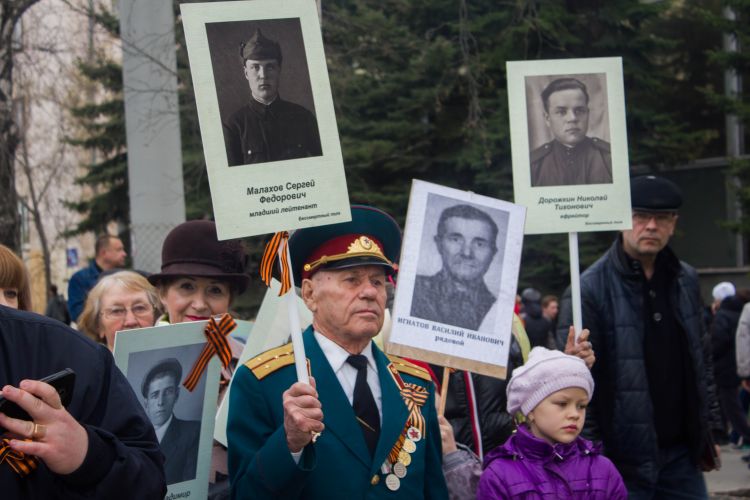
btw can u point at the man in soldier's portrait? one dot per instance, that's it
(178, 438)
(571, 157)
(457, 295)
(268, 128)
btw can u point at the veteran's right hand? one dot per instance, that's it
(303, 415)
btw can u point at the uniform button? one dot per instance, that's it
(652, 294)
(657, 317)
(375, 480)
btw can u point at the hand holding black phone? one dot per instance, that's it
(63, 381)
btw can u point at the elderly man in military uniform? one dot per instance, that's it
(366, 425)
(571, 158)
(268, 128)
(457, 294)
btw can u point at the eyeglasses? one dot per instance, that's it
(661, 218)
(119, 313)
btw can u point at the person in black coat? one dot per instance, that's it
(495, 423)
(724, 350)
(537, 326)
(101, 446)
(655, 405)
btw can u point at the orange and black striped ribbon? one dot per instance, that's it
(279, 241)
(22, 464)
(415, 396)
(217, 344)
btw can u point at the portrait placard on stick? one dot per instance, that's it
(457, 279)
(569, 144)
(156, 361)
(266, 116)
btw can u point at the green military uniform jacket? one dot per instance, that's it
(338, 465)
(589, 162)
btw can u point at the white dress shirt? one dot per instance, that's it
(160, 431)
(347, 374)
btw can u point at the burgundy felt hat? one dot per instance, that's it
(192, 249)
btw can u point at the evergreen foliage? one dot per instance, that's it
(738, 105)
(420, 92)
(419, 88)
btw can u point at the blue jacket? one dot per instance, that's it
(620, 413)
(338, 465)
(78, 288)
(123, 459)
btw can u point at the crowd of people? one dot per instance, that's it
(633, 407)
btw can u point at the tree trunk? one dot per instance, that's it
(34, 206)
(10, 13)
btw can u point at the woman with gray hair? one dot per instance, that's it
(120, 301)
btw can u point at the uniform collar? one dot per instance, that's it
(337, 355)
(448, 286)
(261, 108)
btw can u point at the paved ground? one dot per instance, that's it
(733, 480)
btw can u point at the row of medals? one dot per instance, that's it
(395, 472)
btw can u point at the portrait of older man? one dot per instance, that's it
(571, 157)
(178, 439)
(268, 128)
(457, 295)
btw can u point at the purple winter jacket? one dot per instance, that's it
(526, 467)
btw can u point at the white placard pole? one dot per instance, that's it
(300, 360)
(575, 282)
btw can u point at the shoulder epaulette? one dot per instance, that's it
(409, 368)
(541, 152)
(600, 144)
(270, 361)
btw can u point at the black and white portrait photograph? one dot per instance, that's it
(457, 279)
(460, 264)
(267, 119)
(156, 376)
(263, 89)
(569, 144)
(568, 130)
(156, 361)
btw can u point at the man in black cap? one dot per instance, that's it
(571, 158)
(655, 403)
(380, 436)
(268, 128)
(178, 439)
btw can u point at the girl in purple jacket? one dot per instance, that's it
(545, 458)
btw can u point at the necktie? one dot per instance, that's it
(364, 403)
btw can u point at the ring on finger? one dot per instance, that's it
(38, 431)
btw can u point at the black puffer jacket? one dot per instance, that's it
(621, 413)
(723, 330)
(495, 422)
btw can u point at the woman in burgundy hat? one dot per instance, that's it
(200, 277)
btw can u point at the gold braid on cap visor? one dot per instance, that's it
(361, 247)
